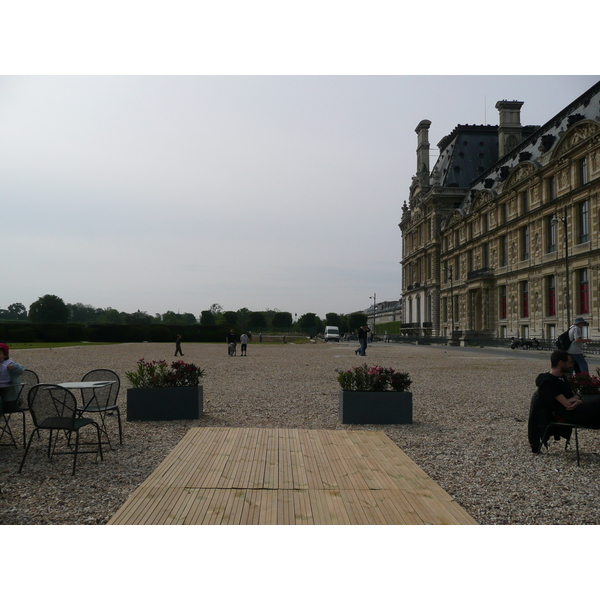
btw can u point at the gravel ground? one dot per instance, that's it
(469, 432)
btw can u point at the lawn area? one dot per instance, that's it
(33, 345)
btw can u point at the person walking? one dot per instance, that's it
(244, 344)
(178, 345)
(363, 332)
(576, 347)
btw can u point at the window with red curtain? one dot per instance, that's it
(525, 288)
(551, 296)
(584, 293)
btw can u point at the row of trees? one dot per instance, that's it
(52, 309)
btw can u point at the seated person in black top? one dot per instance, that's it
(556, 398)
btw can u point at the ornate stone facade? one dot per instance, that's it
(486, 257)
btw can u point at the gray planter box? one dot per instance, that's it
(375, 408)
(164, 404)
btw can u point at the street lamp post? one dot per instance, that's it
(555, 221)
(374, 298)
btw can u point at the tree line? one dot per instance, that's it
(52, 309)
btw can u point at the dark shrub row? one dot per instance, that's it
(38, 332)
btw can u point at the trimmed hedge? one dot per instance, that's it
(38, 332)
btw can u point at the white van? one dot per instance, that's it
(332, 333)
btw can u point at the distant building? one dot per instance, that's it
(483, 233)
(385, 312)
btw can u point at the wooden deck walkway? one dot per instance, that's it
(240, 476)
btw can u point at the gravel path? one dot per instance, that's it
(469, 432)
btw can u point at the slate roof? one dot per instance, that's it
(468, 152)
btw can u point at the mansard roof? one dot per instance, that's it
(466, 153)
(545, 138)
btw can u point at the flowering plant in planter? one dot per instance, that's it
(373, 379)
(157, 374)
(585, 384)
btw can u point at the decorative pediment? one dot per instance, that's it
(482, 197)
(575, 135)
(521, 171)
(452, 219)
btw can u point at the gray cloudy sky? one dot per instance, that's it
(175, 192)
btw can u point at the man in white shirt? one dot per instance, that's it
(244, 342)
(577, 341)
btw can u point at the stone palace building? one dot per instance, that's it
(501, 238)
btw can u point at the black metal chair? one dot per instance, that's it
(29, 378)
(102, 400)
(556, 426)
(53, 407)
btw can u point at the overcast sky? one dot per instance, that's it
(176, 192)
(224, 181)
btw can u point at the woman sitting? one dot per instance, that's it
(10, 375)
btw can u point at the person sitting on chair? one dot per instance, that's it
(10, 374)
(557, 398)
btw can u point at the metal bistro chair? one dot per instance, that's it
(29, 378)
(102, 400)
(54, 407)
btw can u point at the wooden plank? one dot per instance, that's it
(302, 509)
(271, 461)
(200, 502)
(210, 468)
(233, 507)
(256, 477)
(268, 507)
(285, 475)
(285, 507)
(322, 475)
(300, 473)
(277, 476)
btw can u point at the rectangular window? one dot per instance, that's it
(551, 188)
(583, 222)
(551, 233)
(502, 214)
(525, 243)
(583, 174)
(524, 201)
(484, 223)
(504, 251)
(551, 295)
(469, 260)
(444, 309)
(584, 291)
(503, 302)
(456, 312)
(456, 268)
(485, 255)
(525, 298)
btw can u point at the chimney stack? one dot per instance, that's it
(422, 131)
(509, 129)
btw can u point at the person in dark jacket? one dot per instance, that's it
(231, 343)
(556, 402)
(178, 346)
(363, 332)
